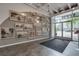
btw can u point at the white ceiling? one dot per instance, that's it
(52, 8)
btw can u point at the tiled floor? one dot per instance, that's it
(32, 49)
(35, 49)
(72, 49)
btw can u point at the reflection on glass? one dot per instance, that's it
(58, 19)
(67, 29)
(69, 21)
(75, 27)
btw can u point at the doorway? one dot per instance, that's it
(63, 30)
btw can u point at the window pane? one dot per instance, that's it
(58, 19)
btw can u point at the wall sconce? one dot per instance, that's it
(23, 14)
(37, 21)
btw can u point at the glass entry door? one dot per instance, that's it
(67, 30)
(63, 30)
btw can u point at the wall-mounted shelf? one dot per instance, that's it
(19, 29)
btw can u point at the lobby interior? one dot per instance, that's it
(39, 29)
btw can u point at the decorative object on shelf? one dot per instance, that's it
(17, 25)
(25, 28)
(30, 22)
(13, 14)
(3, 32)
(11, 30)
(28, 26)
(19, 18)
(19, 35)
(21, 26)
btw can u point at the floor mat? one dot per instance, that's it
(56, 44)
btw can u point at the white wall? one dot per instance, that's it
(20, 7)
